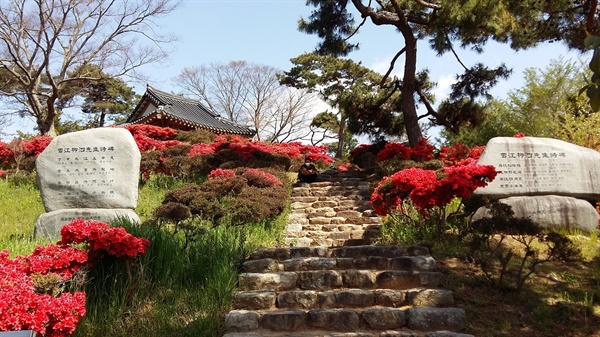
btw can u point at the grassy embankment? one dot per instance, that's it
(176, 290)
(173, 290)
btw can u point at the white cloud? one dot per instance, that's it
(442, 90)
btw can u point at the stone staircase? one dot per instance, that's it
(331, 283)
(333, 211)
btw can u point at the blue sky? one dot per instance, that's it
(265, 32)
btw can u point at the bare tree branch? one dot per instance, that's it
(43, 41)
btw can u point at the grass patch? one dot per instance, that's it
(170, 291)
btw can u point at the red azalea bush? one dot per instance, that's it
(426, 190)
(21, 154)
(423, 151)
(100, 238)
(246, 148)
(260, 178)
(22, 308)
(27, 304)
(454, 154)
(221, 174)
(62, 260)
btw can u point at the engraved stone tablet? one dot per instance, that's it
(95, 168)
(48, 225)
(551, 211)
(541, 166)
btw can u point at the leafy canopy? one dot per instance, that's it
(446, 25)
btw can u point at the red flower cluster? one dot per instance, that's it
(246, 148)
(426, 190)
(201, 149)
(22, 308)
(221, 174)
(453, 155)
(62, 260)
(359, 149)
(423, 151)
(150, 137)
(152, 131)
(25, 148)
(100, 239)
(519, 135)
(260, 178)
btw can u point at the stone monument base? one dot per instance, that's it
(48, 225)
(551, 211)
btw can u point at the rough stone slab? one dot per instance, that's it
(320, 220)
(372, 262)
(338, 235)
(390, 298)
(48, 225)
(551, 211)
(428, 319)
(541, 166)
(262, 266)
(309, 263)
(304, 199)
(242, 334)
(242, 320)
(322, 204)
(254, 300)
(297, 299)
(431, 298)
(274, 281)
(299, 205)
(96, 168)
(351, 298)
(362, 251)
(358, 279)
(398, 334)
(299, 242)
(284, 320)
(426, 263)
(447, 334)
(398, 280)
(334, 319)
(384, 318)
(319, 280)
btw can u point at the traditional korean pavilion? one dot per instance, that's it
(168, 110)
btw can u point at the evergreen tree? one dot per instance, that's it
(470, 24)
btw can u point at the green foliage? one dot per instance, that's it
(176, 288)
(548, 105)
(509, 249)
(592, 90)
(446, 25)
(365, 101)
(195, 136)
(231, 201)
(20, 205)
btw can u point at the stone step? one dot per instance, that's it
(342, 298)
(407, 263)
(378, 320)
(336, 279)
(284, 253)
(321, 333)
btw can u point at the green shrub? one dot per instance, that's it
(509, 249)
(196, 136)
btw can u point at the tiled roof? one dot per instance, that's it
(184, 110)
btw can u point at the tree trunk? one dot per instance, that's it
(45, 116)
(102, 119)
(408, 108)
(341, 137)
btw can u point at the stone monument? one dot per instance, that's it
(550, 181)
(91, 174)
